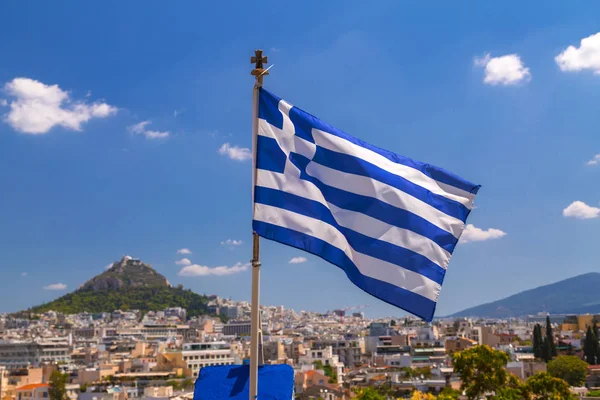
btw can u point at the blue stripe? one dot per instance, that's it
(269, 155)
(394, 295)
(358, 166)
(368, 205)
(268, 110)
(379, 249)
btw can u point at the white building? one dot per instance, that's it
(198, 355)
(178, 312)
(20, 354)
(349, 351)
(326, 357)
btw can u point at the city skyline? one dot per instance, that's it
(135, 140)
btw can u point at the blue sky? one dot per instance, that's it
(474, 88)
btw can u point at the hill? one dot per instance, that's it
(128, 284)
(577, 295)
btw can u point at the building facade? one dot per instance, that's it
(19, 354)
(198, 355)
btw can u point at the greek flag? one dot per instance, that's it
(391, 223)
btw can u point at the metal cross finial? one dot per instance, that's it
(259, 71)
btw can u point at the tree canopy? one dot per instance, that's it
(543, 386)
(569, 368)
(591, 349)
(484, 375)
(57, 389)
(368, 394)
(537, 341)
(482, 370)
(143, 299)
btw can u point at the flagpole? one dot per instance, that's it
(255, 335)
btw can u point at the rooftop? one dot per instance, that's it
(32, 386)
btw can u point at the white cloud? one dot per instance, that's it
(503, 70)
(3, 102)
(109, 266)
(298, 260)
(587, 56)
(140, 129)
(474, 234)
(235, 153)
(184, 251)
(23, 274)
(37, 108)
(594, 161)
(55, 286)
(580, 210)
(232, 242)
(183, 261)
(201, 270)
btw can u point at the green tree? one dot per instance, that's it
(425, 371)
(57, 389)
(330, 373)
(551, 346)
(393, 322)
(448, 394)
(417, 395)
(537, 341)
(368, 394)
(481, 369)
(543, 386)
(568, 368)
(590, 346)
(512, 390)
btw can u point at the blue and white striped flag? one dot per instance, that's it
(391, 223)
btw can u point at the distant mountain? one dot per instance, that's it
(577, 295)
(128, 284)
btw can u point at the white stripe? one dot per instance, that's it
(340, 145)
(359, 184)
(379, 230)
(367, 265)
(358, 222)
(368, 187)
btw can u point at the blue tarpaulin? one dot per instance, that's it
(275, 382)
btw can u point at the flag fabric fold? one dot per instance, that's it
(391, 223)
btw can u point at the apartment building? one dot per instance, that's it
(21, 354)
(240, 328)
(325, 357)
(155, 332)
(198, 355)
(349, 351)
